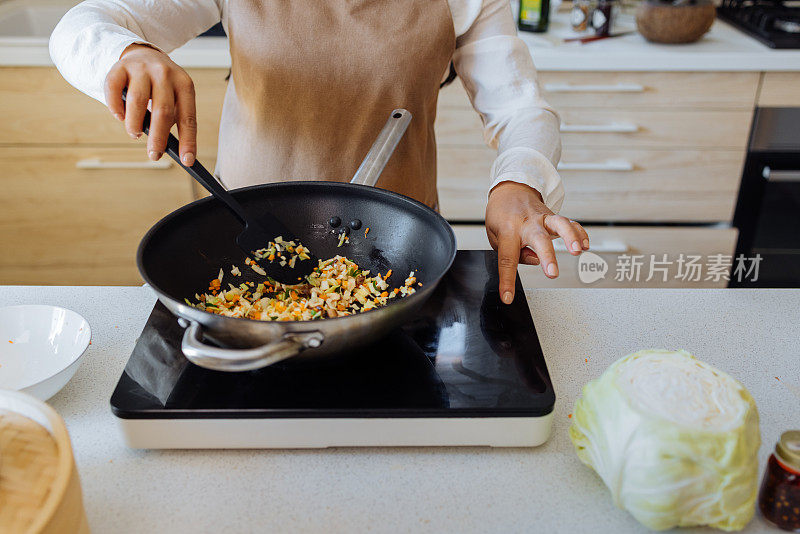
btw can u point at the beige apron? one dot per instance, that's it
(313, 82)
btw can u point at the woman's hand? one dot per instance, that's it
(151, 75)
(521, 228)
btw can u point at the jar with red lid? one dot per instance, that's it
(779, 500)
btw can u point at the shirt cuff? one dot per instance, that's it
(85, 60)
(527, 166)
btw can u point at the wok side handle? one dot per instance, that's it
(221, 359)
(378, 156)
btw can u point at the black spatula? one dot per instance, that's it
(257, 233)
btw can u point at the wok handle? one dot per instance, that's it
(382, 149)
(197, 171)
(220, 359)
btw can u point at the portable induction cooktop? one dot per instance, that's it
(468, 370)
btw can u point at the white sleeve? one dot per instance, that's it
(498, 74)
(90, 38)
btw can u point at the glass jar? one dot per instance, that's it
(779, 500)
(579, 17)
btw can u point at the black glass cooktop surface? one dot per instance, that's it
(465, 355)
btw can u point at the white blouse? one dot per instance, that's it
(494, 65)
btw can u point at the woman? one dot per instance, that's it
(312, 82)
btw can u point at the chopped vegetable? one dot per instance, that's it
(337, 287)
(286, 252)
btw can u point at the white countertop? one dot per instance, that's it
(723, 49)
(749, 333)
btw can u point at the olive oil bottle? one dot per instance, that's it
(533, 15)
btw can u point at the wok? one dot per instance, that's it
(181, 253)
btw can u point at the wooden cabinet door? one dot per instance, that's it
(608, 184)
(40, 107)
(647, 245)
(75, 215)
(780, 89)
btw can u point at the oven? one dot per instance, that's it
(768, 207)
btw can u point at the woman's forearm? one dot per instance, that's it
(500, 78)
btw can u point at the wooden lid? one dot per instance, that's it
(37, 473)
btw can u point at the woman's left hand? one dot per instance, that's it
(521, 228)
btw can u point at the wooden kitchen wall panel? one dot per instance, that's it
(65, 225)
(609, 242)
(780, 89)
(646, 90)
(40, 107)
(631, 128)
(657, 188)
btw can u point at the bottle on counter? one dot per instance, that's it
(580, 14)
(602, 17)
(534, 15)
(779, 500)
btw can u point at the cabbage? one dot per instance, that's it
(674, 439)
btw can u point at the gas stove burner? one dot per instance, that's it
(776, 23)
(788, 26)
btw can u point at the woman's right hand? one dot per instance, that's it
(151, 75)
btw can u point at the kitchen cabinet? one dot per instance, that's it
(74, 215)
(643, 90)
(639, 147)
(780, 89)
(726, 130)
(647, 244)
(79, 193)
(633, 185)
(39, 107)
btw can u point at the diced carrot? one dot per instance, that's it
(384, 294)
(293, 294)
(271, 257)
(340, 307)
(388, 274)
(366, 232)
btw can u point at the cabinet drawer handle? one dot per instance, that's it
(594, 88)
(611, 127)
(621, 165)
(97, 163)
(604, 247)
(780, 175)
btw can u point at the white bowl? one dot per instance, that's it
(40, 348)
